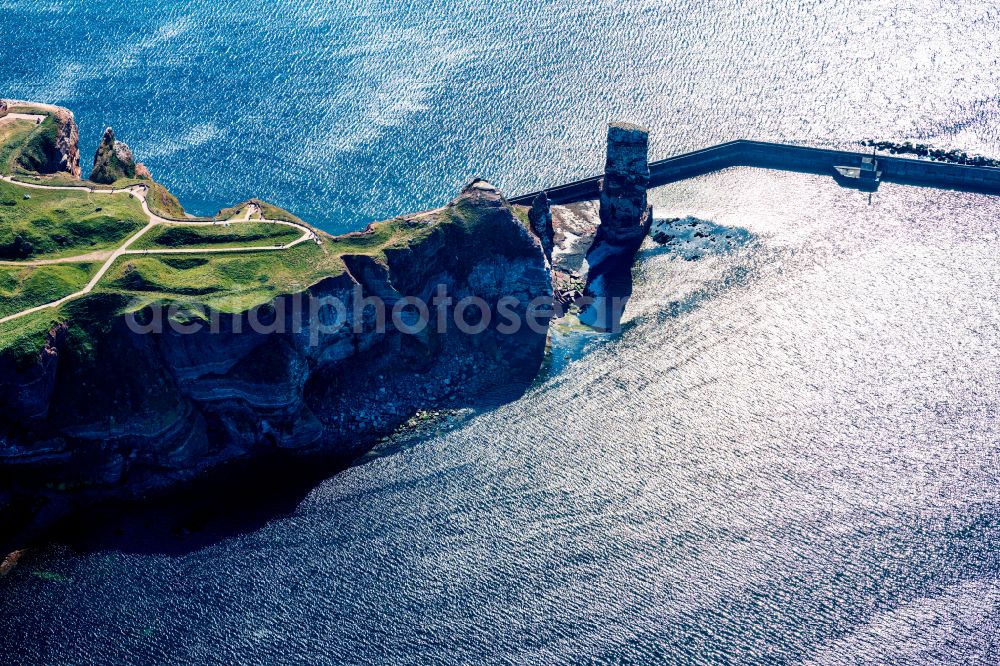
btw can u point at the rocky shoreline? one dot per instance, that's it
(143, 413)
(106, 413)
(929, 152)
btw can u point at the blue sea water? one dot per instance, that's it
(790, 454)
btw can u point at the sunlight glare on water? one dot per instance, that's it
(788, 455)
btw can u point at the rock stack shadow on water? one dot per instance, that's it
(625, 221)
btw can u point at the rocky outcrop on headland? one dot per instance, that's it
(54, 147)
(113, 160)
(67, 154)
(108, 411)
(625, 220)
(3, 108)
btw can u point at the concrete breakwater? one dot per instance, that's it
(786, 157)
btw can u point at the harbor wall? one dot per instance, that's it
(786, 157)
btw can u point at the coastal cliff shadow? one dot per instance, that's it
(241, 498)
(234, 500)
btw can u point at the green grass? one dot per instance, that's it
(33, 153)
(24, 337)
(162, 202)
(270, 212)
(237, 234)
(25, 287)
(159, 200)
(59, 223)
(233, 211)
(239, 281)
(227, 282)
(29, 109)
(378, 237)
(13, 133)
(66, 180)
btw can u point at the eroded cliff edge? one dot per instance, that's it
(54, 148)
(171, 366)
(107, 409)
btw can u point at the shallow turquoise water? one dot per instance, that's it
(790, 454)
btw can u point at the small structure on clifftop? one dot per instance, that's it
(113, 160)
(625, 220)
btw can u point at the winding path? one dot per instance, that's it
(34, 117)
(110, 256)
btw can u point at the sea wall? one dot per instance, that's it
(787, 157)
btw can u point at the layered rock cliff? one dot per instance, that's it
(113, 160)
(625, 221)
(107, 410)
(67, 143)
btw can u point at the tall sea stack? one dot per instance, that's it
(625, 221)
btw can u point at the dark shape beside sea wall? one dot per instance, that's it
(112, 161)
(540, 217)
(625, 220)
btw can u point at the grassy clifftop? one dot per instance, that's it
(47, 224)
(14, 133)
(33, 153)
(25, 287)
(246, 234)
(170, 262)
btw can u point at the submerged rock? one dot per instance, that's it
(625, 220)
(693, 238)
(113, 160)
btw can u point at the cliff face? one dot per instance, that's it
(67, 143)
(108, 411)
(3, 108)
(54, 147)
(113, 160)
(625, 220)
